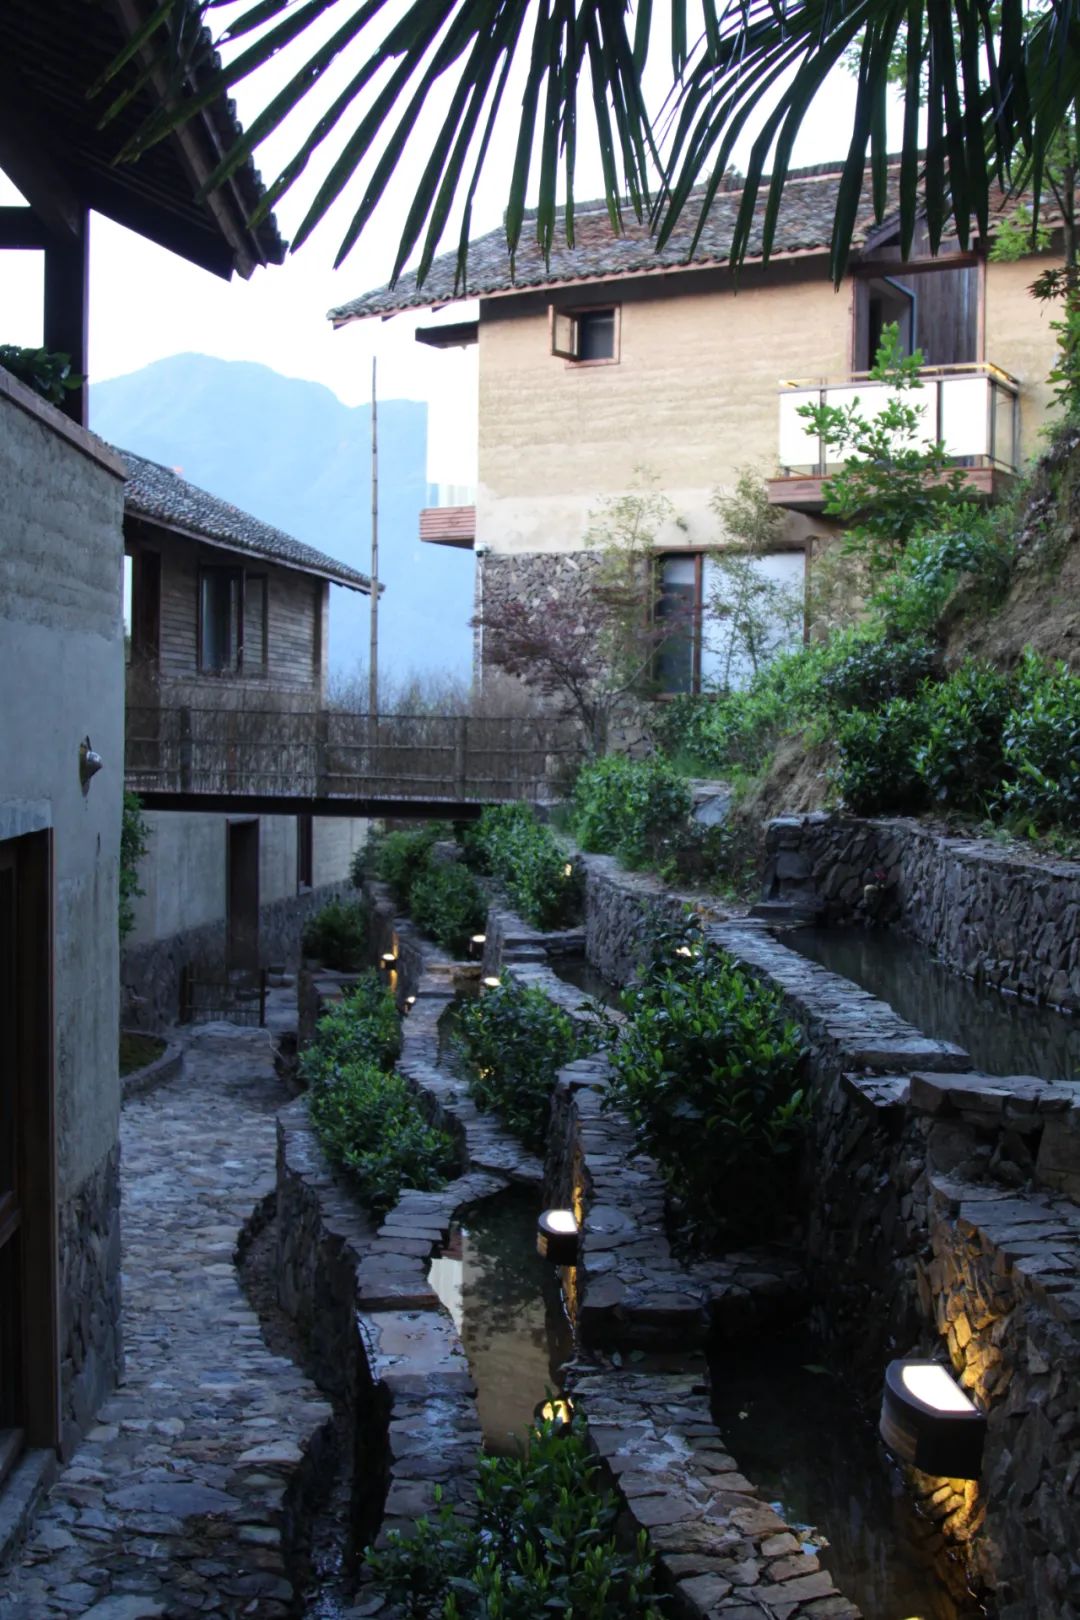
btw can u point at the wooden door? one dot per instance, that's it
(28, 1314)
(242, 879)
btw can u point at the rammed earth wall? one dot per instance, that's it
(998, 916)
(935, 1221)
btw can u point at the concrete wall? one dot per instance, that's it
(1019, 340)
(62, 679)
(693, 397)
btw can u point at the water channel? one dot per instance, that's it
(1002, 1034)
(794, 1429)
(579, 971)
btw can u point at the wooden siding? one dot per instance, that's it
(291, 659)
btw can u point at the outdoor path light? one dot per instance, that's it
(557, 1237)
(928, 1421)
(558, 1411)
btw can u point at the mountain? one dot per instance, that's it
(291, 453)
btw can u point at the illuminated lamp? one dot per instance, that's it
(568, 869)
(388, 960)
(557, 1237)
(928, 1421)
(557, 1413)
(476, 944)
(491, 983)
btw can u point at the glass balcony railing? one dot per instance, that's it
(972, 410)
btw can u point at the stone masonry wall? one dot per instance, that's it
(1000, 917)
(91, 1344)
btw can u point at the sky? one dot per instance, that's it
(147, 303)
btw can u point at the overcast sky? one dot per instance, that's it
(146, 303)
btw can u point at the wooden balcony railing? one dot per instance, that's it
(337, 759)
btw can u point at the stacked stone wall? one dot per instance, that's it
(91, 1345)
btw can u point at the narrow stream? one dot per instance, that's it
(508, 1309)
(795, 1431)
(579, 972)
(1003, 1035)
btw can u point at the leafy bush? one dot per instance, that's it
(709, 1071)
(543, 1542)
(875, 769)
(398, 857)
(961, 756)
(134, 842)
(362, 1027)
(628, 807)
(338, 935)
(370, 1125)
(523, 854)
(1042, 746)
(448, 904)
(973, 552)
(861, 671)
(736, 731)
(514, 1041)
(48, 373)
(365, 1116)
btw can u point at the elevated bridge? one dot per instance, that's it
(329, 763)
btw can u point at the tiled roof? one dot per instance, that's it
(160, 495)
(804, 226)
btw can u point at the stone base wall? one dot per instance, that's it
(1001, 918)
(623, 908)
(150, 974)
(91, 1343)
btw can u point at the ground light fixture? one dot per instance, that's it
(476, 944)
(388, 960)
(557, 1412)
(927, 1420)
(491, 982)
(557, 1237)
(568, 869)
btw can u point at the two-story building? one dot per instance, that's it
(610, 358)
(228, 637)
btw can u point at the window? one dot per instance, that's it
(724, 622)
(142, 607)
(232, 621)
(586, 336)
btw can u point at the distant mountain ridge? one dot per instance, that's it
(288, 451)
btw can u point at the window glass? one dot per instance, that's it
(751, 611)
(596, 335)
(254, 623)
(676, 600)
(219, 619)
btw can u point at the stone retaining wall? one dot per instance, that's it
(91, 1341)
(622, 909)
(996, 915)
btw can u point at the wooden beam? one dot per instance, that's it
(66, 324)
(21, 228)
(25, 157)
(916, 267)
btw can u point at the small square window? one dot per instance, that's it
(586, 336)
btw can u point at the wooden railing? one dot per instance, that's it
(327, 755)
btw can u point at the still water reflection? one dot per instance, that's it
(793, 1429)
(1003, 1035)
(507, 1307)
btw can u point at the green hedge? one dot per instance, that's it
(513, 1040)
(525, 856)
(632, 808)
(364, 1114)
(338, 935)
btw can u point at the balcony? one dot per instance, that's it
(972, 410)
(453, 521)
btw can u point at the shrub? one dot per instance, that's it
(362, 1027)
(364, 1115)
(973, 553)
(861, 671)
(338, 935)
(628, 807)
(524, 855)
(134, 842)
(398, 857)
(961, 756)
(709, 1071)
(542, 1542)
(448, 904)
(370, 1125)
(875, 769)
(735, 732)
(514, 1040)
(1042, 746)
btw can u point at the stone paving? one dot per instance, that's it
(183, 1500)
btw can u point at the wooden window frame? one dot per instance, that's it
(239, 667)
(574, 314)
(263, 664)
(697, 556)
(145, 633)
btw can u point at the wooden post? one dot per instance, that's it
(262, 998)
(185, 994)
(461, 754)
(321, 786)
(66, 319)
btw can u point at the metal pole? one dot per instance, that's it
(373, 656)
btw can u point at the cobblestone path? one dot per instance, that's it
(176, 1504)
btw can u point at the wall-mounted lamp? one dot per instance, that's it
(556, 1414)
(928, 1421)
(89, 764)
(557, 1237)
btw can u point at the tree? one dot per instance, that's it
(593, 651)
(996, 84)
(134, 842)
